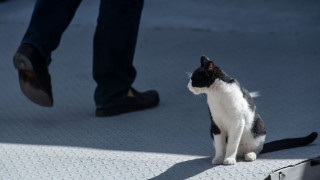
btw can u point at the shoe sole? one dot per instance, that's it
(28, 80)
(117, 111)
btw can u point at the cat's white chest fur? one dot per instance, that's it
(227, 105)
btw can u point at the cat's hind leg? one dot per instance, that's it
(251, 156)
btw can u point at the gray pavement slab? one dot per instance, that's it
(268, 46)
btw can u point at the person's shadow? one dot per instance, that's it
(186, 169)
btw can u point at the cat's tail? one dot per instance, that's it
(288, 143)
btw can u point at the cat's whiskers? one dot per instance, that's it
(189, 74)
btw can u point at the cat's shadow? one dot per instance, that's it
(186, 169)
(190, 168)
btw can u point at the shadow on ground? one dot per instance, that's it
(186, 169)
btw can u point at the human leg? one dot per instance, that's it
(114, 46)
(49, 20)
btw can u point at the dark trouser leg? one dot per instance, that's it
(49, 20)
(114, 45)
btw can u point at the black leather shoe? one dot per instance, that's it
(34, 79)
(140, 101)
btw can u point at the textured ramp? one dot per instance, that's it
(57, 162)
(279, 57)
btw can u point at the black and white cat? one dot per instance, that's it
(236, 127)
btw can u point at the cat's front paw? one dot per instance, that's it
(217, 160)
(229, 161)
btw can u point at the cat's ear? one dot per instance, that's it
(210, 66)
(204, 60)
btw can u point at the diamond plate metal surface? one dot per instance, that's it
(278, 56)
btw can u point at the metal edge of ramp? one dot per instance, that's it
(305, 170)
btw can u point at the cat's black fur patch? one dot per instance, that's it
(258, 128)
(248, 98)
(223, 76)
(214, 130)
(202, 77)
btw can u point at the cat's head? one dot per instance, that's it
(204, 76)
